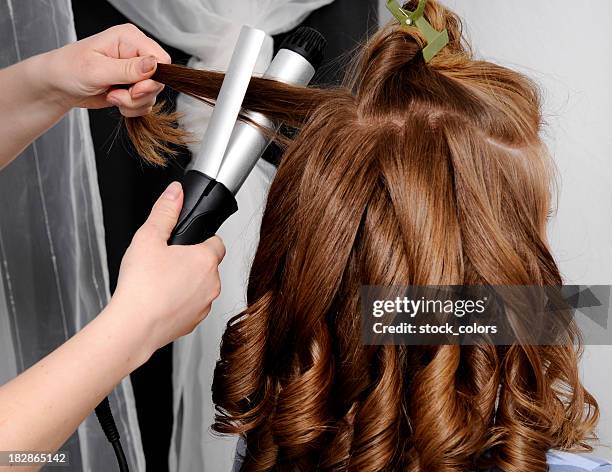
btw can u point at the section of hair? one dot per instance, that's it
(156, 136)
(411, 173)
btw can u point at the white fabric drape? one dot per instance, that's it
(53, 277)
(208, 29)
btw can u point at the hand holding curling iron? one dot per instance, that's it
(168, 289)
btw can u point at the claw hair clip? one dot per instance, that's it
(436, 40)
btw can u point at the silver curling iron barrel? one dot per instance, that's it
(231, 147)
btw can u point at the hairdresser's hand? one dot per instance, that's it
(36, 93)
(84, 73)
(163, 293)
(167, 290)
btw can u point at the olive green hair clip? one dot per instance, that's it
(436, 40)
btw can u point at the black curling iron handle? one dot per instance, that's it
(207, 205)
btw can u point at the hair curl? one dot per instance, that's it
(411, 173)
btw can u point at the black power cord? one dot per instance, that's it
(105, 417)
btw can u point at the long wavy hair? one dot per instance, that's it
(409, 174)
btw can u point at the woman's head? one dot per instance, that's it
(410, 174)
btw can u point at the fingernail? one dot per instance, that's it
(173, 191)
(113, 101)
(147, 64)
(138, 95)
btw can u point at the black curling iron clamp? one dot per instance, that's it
(231, 147)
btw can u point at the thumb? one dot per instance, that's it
(128, 71)
(166, 211)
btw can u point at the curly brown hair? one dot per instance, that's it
(409, 174)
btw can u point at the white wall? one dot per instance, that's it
(566, 46)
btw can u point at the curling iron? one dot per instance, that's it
(231, 147)
(229, 151)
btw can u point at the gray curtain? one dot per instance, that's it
(53, 277)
